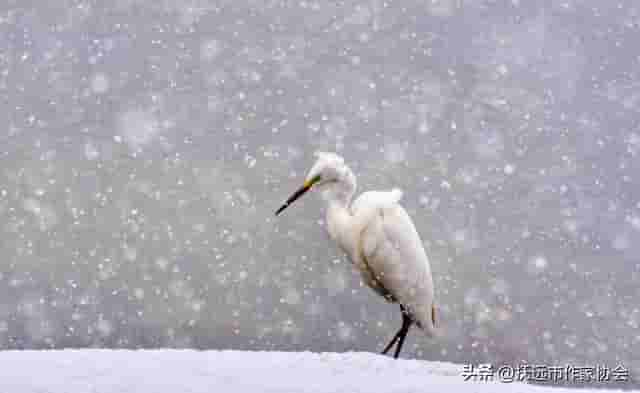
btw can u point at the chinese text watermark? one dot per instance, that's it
(545, 373)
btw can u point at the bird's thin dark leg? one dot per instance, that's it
(404, 330)
(395, 338)
(401, 334)
(393, 341)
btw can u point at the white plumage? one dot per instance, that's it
(379, 237)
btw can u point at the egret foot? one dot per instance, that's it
(400, 335)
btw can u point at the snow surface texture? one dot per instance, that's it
(174, 371)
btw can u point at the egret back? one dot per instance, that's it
(392, 251)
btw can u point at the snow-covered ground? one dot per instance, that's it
(174, 371)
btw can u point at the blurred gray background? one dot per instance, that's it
(146, 145)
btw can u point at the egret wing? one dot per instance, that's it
(364, 210)
(393, 252)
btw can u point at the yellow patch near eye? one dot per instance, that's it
(312, 181)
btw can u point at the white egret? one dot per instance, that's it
(380, 239)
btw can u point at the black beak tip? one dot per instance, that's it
(306, 187)
(281, 209)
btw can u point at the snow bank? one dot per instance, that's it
(173, 371)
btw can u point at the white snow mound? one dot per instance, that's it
(173, 371)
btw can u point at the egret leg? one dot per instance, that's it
(406, 324)
(393, 341)
(401, 334)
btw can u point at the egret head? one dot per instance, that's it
(329, 169)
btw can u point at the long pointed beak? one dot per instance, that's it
(299, 192)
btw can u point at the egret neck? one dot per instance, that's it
(338, 196)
